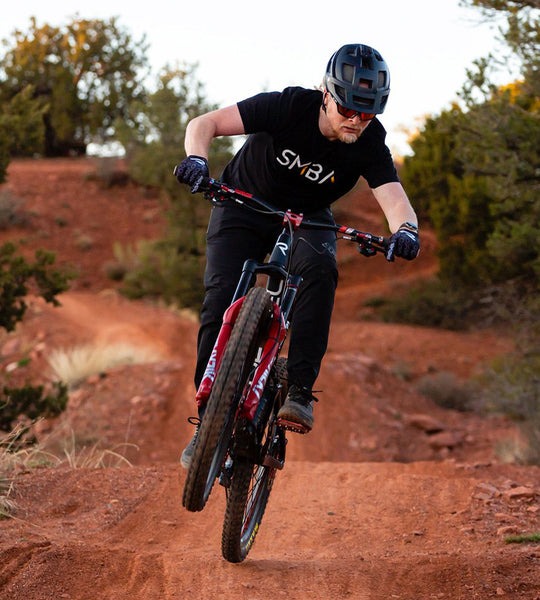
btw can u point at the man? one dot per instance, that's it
(306, 149)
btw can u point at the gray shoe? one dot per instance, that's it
(187, 454)
(296, 414)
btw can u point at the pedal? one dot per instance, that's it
(292, 426)
(273, 463)
(225, 476)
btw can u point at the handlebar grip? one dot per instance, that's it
(201, 185)
(204, 183)
(385, 242)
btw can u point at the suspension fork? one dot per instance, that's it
(214, 362)
(270, 351)
(272, 344)
(246, 280)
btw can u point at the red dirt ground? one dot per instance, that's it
(372, 505)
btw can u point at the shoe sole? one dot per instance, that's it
(293, 426)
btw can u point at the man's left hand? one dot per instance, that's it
(405, 243)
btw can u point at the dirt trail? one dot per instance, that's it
(389, 497)
(333, 530)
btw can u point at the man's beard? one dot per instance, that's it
(348, 138)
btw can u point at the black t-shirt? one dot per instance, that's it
(288, 162)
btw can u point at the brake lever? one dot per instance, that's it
(366, 250)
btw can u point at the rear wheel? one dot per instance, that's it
(217, 425)
(251, 484)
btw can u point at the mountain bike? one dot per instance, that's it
(241, 442)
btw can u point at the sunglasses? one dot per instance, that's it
(349, 113)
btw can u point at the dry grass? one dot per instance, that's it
(72, 454)
(14, 460)
(7, 505)
(516, 450)
(14, 457)
(126, 259)
(76, 364)
(92, 456)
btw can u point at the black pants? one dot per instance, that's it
(234, 235)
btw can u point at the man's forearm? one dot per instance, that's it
(199, 134)
(395, 205)
(203, 129)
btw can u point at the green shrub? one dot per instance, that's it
(447, 391)
(527, 538)
(171, 268)
(115, 270)
(83, 74)
(512, 387)
(11, 214)
(431, 304)
(108, 172)
(161, 274)
(17, 276)
(439, 303)
(22, 129)
(31, 402)
(4, 154)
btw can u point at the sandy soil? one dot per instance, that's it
(389, 497)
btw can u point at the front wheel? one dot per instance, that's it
(217, 425)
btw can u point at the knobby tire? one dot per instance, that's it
(218, 422)
(251, 485)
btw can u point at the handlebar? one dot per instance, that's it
(216, 191)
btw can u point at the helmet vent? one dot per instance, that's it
(348, 73)
(340, 92)
(363, 102)
(382, 79)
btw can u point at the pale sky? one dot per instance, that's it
(243, 46)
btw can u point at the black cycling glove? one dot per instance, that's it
(405, 243)
(191, 170)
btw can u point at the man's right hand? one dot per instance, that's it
(191, 170)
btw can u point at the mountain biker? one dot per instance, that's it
(306, 148)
